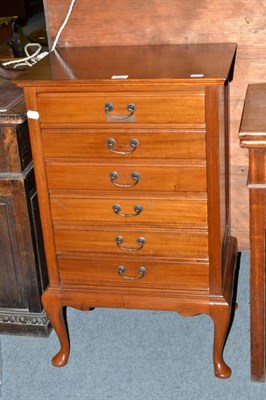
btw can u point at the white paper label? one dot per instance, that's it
(33, 114)
(119, 77)
(196, 75)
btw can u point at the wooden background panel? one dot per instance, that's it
(128, 22)
(121, 22)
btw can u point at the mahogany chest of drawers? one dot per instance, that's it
(130, 146)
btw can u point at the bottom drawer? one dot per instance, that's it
(153, 274)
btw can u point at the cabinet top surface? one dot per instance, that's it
(185, 62)
(254, 113)
(11, 102)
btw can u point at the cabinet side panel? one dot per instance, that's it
(215, 172)
(224, 163)
(9, 295)
(35, 274)
(42, 190)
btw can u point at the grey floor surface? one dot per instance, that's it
(133, 355)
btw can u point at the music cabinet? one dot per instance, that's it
(130, 147)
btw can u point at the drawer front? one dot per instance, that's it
(140, 242)
(150, 108)
(75, 271)
(118, 177)
(111, 143)
(184, 213)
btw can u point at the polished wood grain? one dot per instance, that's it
(176, 211)
(139, 62)
(158, 177)
(149, 109)
(182, 237)
(253, 136)
(157, 242)
(104, 271)
(152, 144)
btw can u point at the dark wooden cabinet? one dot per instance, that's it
(253, 137)
(23, 273)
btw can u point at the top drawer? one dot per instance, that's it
(145, 108)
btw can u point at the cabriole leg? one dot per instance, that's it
(221, 318)
(52, 304)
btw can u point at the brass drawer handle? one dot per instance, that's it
(117, 210)
(111, 143)
(122, 270)
(140, 240)
(109, 107)
(114, 176)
